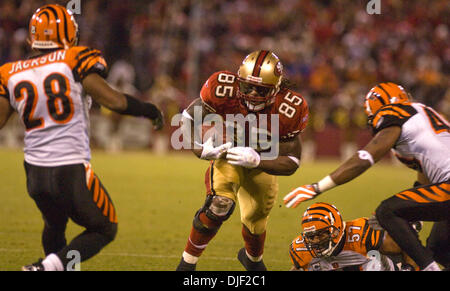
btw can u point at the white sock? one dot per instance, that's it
(52, 263)
(432, 267)
(190, 259)
(254, 259)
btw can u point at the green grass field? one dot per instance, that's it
(156, 198)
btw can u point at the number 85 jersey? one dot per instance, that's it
(219, 94)
(46, 92)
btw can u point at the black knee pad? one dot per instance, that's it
(216, 208)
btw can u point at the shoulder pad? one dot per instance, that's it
(392, 115)
(219, 89)
(84, 61)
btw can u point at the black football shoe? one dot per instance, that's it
(34, 267)
(183, 266)
(248, 264)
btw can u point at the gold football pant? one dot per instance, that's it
(254, 190)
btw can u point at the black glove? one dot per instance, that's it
(158, 122)
(138, 108)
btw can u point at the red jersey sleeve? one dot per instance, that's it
(219, 92)
(293, 113)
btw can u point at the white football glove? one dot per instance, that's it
(243, 156)
(210, 152)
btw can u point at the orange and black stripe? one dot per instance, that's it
(4, 91)
(384, 99)
(86, 61)
(320, 214)
(259, 61)
(439, 192)
(400, 111)
(101, 198)
(295, 258)
(53, 17)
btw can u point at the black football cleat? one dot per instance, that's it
(34, 267)
(183, 266)
(248, 264)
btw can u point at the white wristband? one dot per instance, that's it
(326, 184)
(297, 161)
(365, 155)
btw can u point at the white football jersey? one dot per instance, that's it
(46, 92)
(424, 143)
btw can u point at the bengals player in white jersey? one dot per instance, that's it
(328, 243)
(420, 138)
(47, 92)
(240, 172)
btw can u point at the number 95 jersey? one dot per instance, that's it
(46, 92)
(219, 95)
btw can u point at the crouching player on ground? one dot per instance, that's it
(328, 243)
(420, 138)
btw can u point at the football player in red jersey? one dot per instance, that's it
(243, 173)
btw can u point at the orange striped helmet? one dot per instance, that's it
(383, 94)
(53, 26)
(323, 229)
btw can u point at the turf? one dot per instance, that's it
(156, 198)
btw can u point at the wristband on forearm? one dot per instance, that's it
(325, 184)
(138, 108)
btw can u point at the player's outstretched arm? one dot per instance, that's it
(362, 160)
(121, 103)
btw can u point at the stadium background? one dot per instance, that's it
(163, 51)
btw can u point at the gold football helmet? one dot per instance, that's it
(383, 94)
(259, 79)
(323, 229)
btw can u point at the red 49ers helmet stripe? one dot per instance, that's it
(259, 61)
